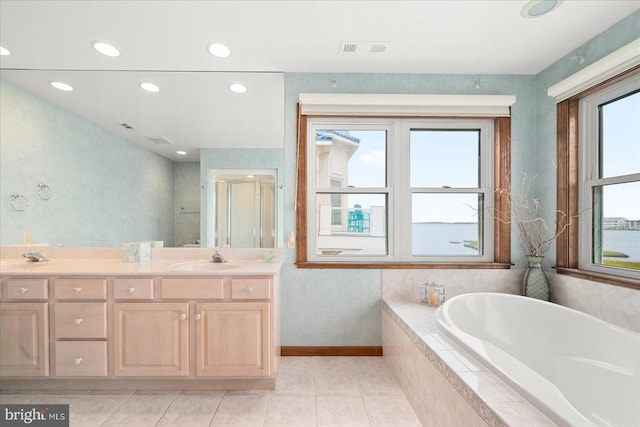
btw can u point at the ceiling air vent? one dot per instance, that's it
(362, 47)
(160, 140)
(127, 126)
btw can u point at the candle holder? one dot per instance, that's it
(432, 294)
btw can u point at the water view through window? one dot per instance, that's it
(616, 203)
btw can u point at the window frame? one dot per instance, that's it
(501, 234)
(571, 246)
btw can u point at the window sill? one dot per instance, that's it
(625, 282)
(405, 265)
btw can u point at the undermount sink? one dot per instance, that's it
(204, 266)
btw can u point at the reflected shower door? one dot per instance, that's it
(245, 220)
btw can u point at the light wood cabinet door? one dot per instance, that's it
(24, 329)
(233, 339)
(151, 339)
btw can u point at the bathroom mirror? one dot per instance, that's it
(107, 185)
(244, 208)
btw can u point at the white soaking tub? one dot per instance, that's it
(577, 369)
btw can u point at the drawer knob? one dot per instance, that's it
(183, 316)
(131, 290)
(198, 316)
(77, 321)
(24, 290)
(77, 360)
(249, 289)
(77, 290)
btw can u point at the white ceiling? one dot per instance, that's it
(166, 42)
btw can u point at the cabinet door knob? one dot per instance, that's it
(198, 316)
(77, 290)
(77, 360)
(77, 320)
(183, 316)
(24, 290)
(249, 290)
(131, 290)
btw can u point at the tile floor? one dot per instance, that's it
(310, 391)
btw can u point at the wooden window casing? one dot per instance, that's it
(567, 182)
(502, 230)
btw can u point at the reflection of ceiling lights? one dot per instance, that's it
(4, 51)
(106, 49)
(149, 87)
(535, 8)
(181, 153)
(219, 50)
(238, 88)
(62, 86)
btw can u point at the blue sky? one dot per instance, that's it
(450, 159)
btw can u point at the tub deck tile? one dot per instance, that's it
(495, 402)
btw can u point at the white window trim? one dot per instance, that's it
(589, 158)
(399, 195)
(403, 105)
(605, 68)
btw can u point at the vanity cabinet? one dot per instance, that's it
(233, 339)
(152, 326)
(151, 339)
(80, 326)
(24, 328)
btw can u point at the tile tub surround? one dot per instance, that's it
(614, 304)
(445, 385)
(311, 391)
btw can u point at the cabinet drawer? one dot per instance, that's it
(133, 288)
(81, 320)
(205, 288)
(81, 359)
(80, 289)
(250, 289)
(27, 289)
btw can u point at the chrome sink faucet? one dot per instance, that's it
(217, 257)
(33, 256)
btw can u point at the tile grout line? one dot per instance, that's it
(224, 393)
(166, 409)
(115, 410)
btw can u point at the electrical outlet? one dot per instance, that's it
(26, 238)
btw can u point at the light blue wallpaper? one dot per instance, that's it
(104, 190)
(341, 307)
(332, 307)
(187, 202)
(614, 38)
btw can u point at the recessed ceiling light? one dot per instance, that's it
(149, 87)
(238, 88)
(4, 51)
(182, 153)
(535, 8)
(62, 86)
(219, 50)
(106, 49)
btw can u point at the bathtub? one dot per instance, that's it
(577, 369)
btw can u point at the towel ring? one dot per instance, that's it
(24, 202)
(44, 192)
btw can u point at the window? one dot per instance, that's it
(399, 190)
(599, 178)
(609, 191)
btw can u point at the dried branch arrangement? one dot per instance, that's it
(536, 236)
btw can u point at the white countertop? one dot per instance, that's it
(115, 267)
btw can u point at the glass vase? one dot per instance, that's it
(535, 283)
